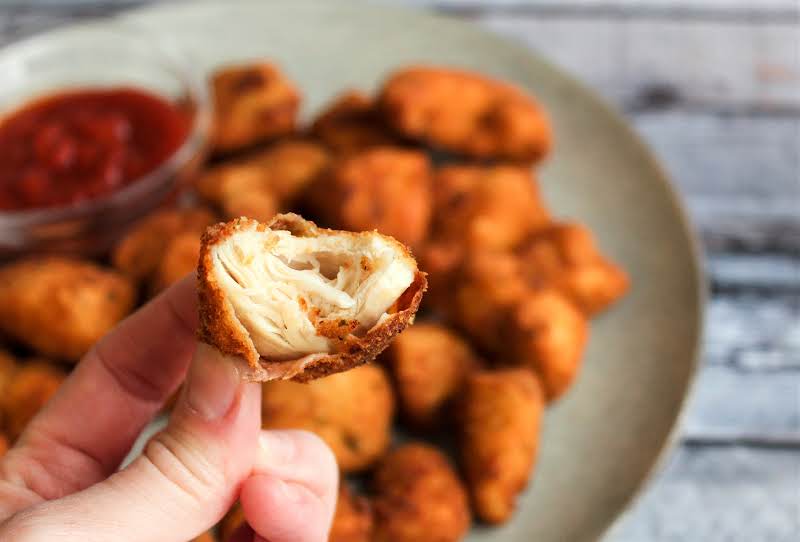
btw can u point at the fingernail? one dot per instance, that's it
(212, 384)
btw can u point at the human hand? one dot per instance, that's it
(60, 481)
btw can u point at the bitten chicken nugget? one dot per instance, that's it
(565, 256)
(547, 333)
(253, 103)
(352, 521)
(466, 113)
(386, 189)
(29, 390)
(141, 251)
(291, 300)
(61, 306)
(351, 411)
(261, 184)
(180, 259)
(418, 496)
(429, 363)
(499, 416)
(351, 123)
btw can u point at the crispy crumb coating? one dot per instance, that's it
(253, 103)
(351, 123)
(418, 496)
(220, 328)
(140, 252)
(566, 257)
(466, 113)
(499, 418)
(352, 521)
(428, 362)
(265, 182)
(351, 411)
(384, 188)
(61, 306)
(31, 387)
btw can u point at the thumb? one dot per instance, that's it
(183, 483)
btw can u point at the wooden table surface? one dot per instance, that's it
(714, 87)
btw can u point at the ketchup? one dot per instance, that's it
(79, 145)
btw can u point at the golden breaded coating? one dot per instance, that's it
(565, 256)
(351, 411)
(429, 363)
(352, 521)
(352, 123)
(207, 536)
(466, 113)
(32, 386)
(548, 334)
(230, 523)
(253, 103)
(139, 253)
(418, 496)
(499, 418)
(385, 188)
(61, 306)
(180, 259)
(291, 300)
(262, 183)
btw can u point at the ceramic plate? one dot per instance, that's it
(604, 439)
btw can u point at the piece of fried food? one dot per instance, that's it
(207, 536)
(429, 363)
(499, 417)
(31, 387)
(230, 523)
(351, 411)
(296, 301)
(61, 306)
(566, 257)
(418, 496)
(253, 103)
(8, 367)
(4, 445)
(466, 113)
(259, 185)
(180, 259)
(548, 334)
(352, 521)
(384, 188)
(352, 123)
(140, 252)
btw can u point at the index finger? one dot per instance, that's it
(90, 425)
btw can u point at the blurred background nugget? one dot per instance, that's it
(30, 388)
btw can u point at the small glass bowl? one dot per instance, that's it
(101, 54)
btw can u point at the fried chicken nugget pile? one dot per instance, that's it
(61, 306)
(352, 123)
(253, 103)
(352, 521)
(466, 113)
(418, 496)
(351, 411)
(384, 188)
(429, 363)
(499, 414)
(30, 388)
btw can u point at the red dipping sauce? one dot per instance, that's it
(79, 145)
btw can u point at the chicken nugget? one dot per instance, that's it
(31, 387)
(140, 252)
(231, 522)
(352, 521)
(351, 411)
(207, 536)
(385, 188)
(61, 306)
(547, 333)
(253, 103)
(499, 417)
(418, 496)
(261, 184)
(466, 113)
(351, 123)
(4, 445)
(8, 367)
(428, 362)
(180, 259)
(565, 256)
(291, 300)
